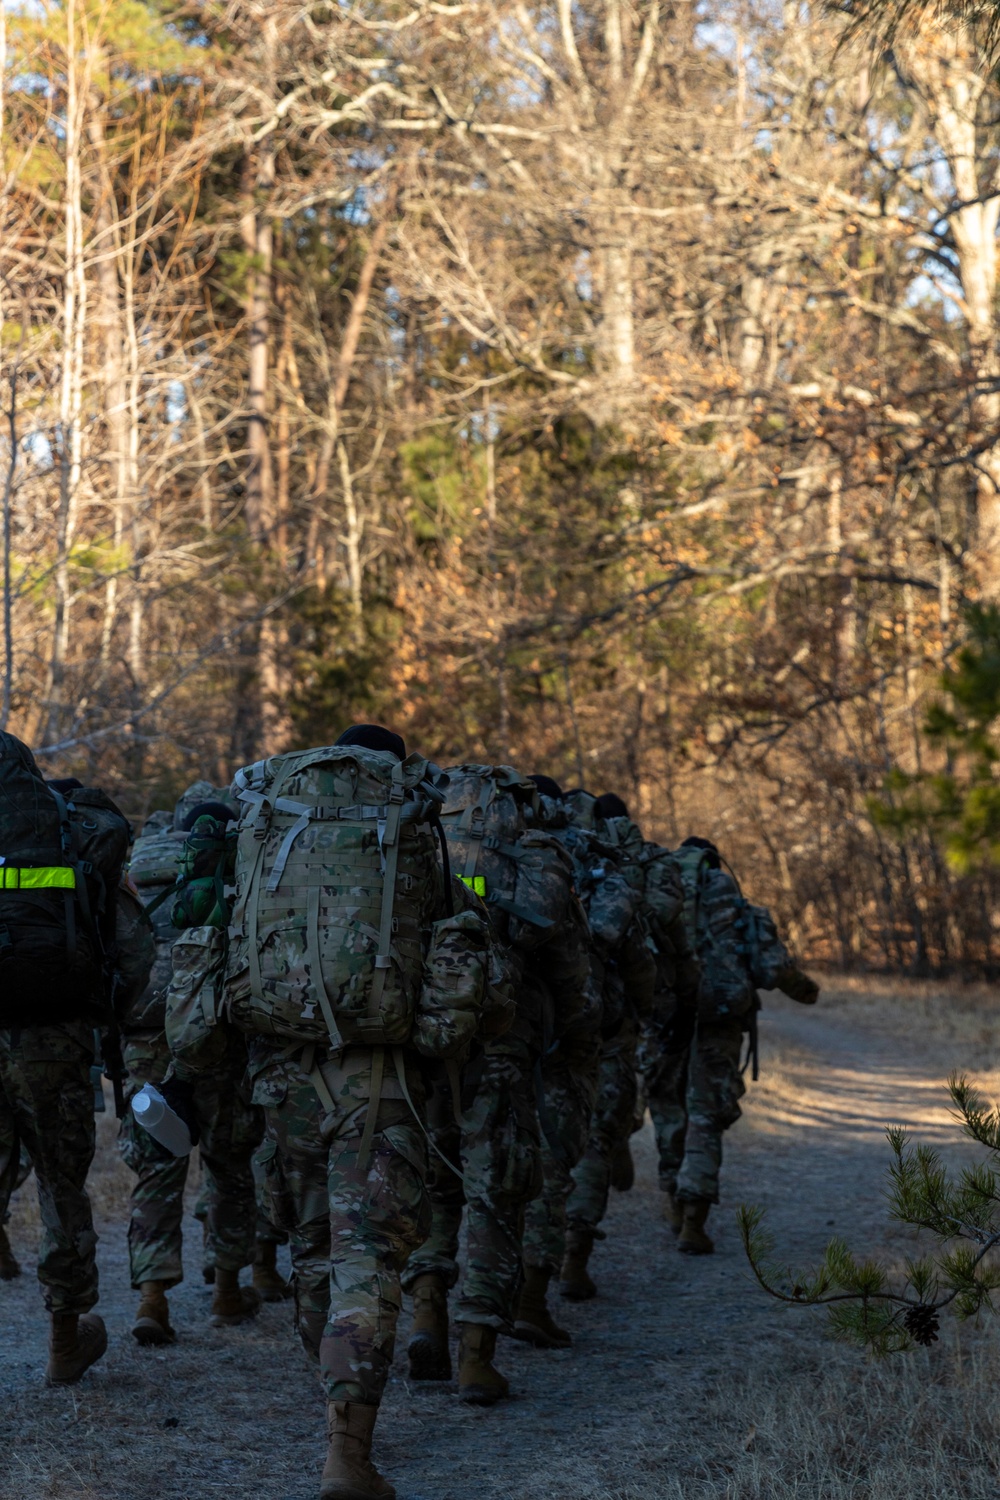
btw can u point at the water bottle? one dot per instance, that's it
(164, 1124)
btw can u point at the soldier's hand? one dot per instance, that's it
(805, 990)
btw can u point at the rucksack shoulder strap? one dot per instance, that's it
(388, 839)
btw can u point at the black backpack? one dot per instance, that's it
(61, 858)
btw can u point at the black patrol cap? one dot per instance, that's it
(694, 842)
(374, 737)
(548, 787)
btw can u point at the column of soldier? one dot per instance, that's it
(379, 994)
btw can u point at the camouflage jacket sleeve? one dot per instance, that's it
(773, 967)
(135, 949)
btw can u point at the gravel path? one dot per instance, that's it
(655, 1398)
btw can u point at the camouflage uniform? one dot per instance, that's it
(627, 974)
(351, 1228)
(230, 1128)
(694, 1090)
(15, 1162)
(499, 1145)
(45, 1075)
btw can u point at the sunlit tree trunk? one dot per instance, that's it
(71, 381)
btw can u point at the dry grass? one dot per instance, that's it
(684, 1382)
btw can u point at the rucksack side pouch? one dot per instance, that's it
(196, 1040)
(454, 985)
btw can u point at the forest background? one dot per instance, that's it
(606, 386)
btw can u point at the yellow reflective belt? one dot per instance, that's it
(476, 883)
(37, 877)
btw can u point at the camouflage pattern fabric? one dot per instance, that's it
(15, 1161)
(45, 1076)
(568, 1078)
(499, 1146)
(500, 1153)
(351, 1226)
(230, 1132)
(693, 1102)
(265, 1232)
(610, 1126)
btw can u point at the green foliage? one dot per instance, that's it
(962, 803)
(883, 1313)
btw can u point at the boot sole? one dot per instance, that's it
(576, 1294)
(99, 1353)
(351, 1492)
(528, 1333)
(478, 1395)
(428, 1361)
(232, 1320)
(149, 1334)
(695, 1249)
(272, 1295)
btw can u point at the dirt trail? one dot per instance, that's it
(632, 1412)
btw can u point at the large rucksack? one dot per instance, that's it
(337, 885)
(721, 932)
(61, 861)
(155, 866)
(516, 870)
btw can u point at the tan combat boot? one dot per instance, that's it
(430, 1356)
(9, 1267)
(673, 1212)
(349, 1473)
(232, 1304)
(693, 1240)
(478, 1382)
(574, 1282)
(623, 1168)
(268, 1282)
(534, 1323)
(152, 1321)
(75, 1343)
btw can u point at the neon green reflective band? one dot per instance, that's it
(37, 878)
(476, 883)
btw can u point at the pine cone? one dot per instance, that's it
(922, 1324)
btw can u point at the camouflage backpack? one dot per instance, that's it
(515, 869)
(337, 885)
(179, 878)
(722, 933)
(60, 866)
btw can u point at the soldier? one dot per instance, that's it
(694, 1091)
(229, 1128)
(345, 965)
(567, 1093)
(527, 880)
(615, 881)
(64, 849)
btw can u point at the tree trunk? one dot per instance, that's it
(71, 381)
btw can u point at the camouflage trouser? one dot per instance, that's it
(15, 1161)
(610, 1126)
(267, 1232)
(45, 1076)
(264, 1231)
(568, 1103)
(230, 1130)
(693, 1101)
(500, 1154)
(351, 1227)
